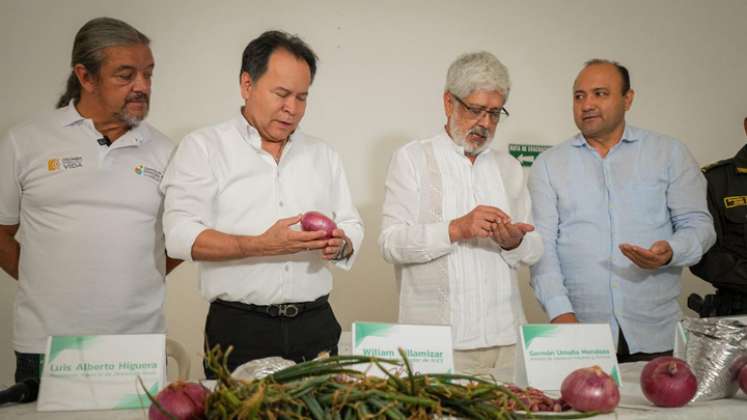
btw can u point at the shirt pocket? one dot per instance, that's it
(648, 203)
(735, 234)
(736, 215)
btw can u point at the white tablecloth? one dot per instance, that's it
(632, 406)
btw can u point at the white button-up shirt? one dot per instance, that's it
(220, 178)
(470, 285)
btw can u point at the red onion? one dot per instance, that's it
(182, 400)
(590, 389)
(668, 382)
(743, 378)
(313, 221)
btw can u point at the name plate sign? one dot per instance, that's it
(547, 353)
(428, 347)
(101, 372)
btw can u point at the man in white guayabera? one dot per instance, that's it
(456, 221)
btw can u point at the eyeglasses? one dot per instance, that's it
(477, 111)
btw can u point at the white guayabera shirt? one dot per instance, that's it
(470, 285)
(220, 178)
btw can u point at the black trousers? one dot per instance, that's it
(256, 334)
(624, 356)
(28, 365)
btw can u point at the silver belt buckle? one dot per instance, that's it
(288, 310)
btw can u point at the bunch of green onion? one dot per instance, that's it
(332, 389)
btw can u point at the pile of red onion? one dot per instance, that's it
(590, 389)
(181, 400)
(743, 378)
(313, 221)
(668, 382)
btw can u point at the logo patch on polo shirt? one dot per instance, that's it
(154, 174)
(56, 164)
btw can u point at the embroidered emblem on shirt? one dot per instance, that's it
(735, 201)
(54, 165)
(154, 174)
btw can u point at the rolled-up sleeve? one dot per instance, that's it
(546, 276)
(189, 187)
(693, 227)
(402, 239)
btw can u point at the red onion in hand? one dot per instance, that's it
(743, 378)
(668, 382)
(590, 389)
(313, 221)
(182, 400)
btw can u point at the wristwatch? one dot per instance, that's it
(341, 253)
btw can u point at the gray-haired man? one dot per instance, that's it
(455, 221)
(80, 208)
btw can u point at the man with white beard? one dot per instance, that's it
(456, 221)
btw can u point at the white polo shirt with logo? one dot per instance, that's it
(92, 247)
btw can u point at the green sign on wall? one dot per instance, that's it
(526, 153)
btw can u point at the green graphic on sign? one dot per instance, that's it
(68, 342)
(137, 400)
(526, 153)
(367, 329)
(616, 376)
(532, 331)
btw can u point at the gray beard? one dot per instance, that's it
(460, 138)
(130, 120)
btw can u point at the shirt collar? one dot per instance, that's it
(251, 135)
(740, 160)
(70, 116)
(630, 134)
(247, 131)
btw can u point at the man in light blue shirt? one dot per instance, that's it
(621, 211)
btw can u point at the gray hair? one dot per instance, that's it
(477, 71)
(88, 49)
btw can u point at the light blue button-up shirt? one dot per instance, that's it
(648, 188)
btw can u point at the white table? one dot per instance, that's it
(632, 406)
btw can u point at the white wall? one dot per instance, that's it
(381, 74)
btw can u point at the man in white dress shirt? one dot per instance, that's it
(456, 221)
(234, 195)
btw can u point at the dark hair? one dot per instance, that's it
(257, 53)
(88, 49)
(624, 75)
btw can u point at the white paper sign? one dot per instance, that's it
(101, 372)
(547, 353)
(428, 347)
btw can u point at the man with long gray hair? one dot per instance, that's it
(80, 207)
(456, 221)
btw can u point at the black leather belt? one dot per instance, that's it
(285, 310)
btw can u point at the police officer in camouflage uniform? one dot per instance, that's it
(725, 264)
